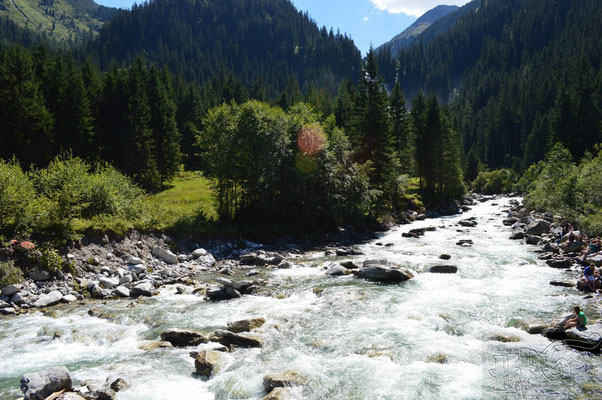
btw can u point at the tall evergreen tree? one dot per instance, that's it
(26, 123)
(418, 115)
(400, 129)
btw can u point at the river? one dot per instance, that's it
(434, 337)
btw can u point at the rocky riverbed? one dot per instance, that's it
(420, 310)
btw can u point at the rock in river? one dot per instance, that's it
(246, 325)
(40, 385)
(384, 274)
(287, 379)
(538, 228)
(443, 269)
(183, 337)
(143, 289)
(207, 362)
(234, 339)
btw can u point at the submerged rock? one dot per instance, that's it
(183, 337)
(40, 385)
(277, 394)
(465, 242)
(443, 269)
(384, 274)
(337, 270)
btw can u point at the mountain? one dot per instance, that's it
(521, 75)
(406, 37)
(263, 42)
(57, 19)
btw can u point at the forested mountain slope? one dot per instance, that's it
(409, 35)
(262, 41)
(59, 19)
(521, 74)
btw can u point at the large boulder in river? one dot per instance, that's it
(50, 299)
(146, 289)
(165, 255)
(207, 362)
(338, 270)
(227, 338)
(518, 235)
(443, 269)
(277, 394)
(40, 385)
(183, 337)
(533, 240)
(384, 274)
(588, 340)
(538, 228)
(562, 263)
(246, 325)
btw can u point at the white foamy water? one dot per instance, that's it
(428, 338)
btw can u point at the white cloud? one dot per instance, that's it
(413, 7)
(365, 19)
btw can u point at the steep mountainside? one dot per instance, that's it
(522, 74)
(263, 42)
(58, 19)
(406, 37)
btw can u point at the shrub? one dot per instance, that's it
(17, 199)
(9, 274)
(495, 182)
(50, 259)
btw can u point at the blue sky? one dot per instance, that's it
(366, 21)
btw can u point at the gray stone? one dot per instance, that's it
(380, 261)
(338, 270)
(70, 396)
(143, 289)
(40, 385)
(518, 235)
(445, 257)
(69, 298)
(384, 274)
(16, 298)
(224, 293)
(183, 337)
(50, 299)
(287, 379)
(207, 260)
(122, 291)
(118, 384)
(9, 290)
(562, 284)
(560, 263)
(469, 223)
(207, 362)
(465, 242)
(227, 338)
(533, 240)
(39, 275)
(538, 228)
(443, 269)
(277, 394)
(134, 261)
(165, 255)
(107, 283)
(125, 279)
(137, 268)
(596, 260)
(246, 325)
(105, 394)
(199, 253)
(349, 264)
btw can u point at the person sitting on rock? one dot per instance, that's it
(591, 249)
(567, 228)
(589, 276)
(570, 241)
(579, 322)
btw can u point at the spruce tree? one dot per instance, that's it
(418, 114)
(400, 130)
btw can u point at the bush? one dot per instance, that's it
(50, 259)
(17, 199)
(9, 274)
(495, 182)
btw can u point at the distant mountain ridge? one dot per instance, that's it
(406, 37)
(57, 19)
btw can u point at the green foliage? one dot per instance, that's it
(50, 259)
(50, 200)
(495, 182)
(266, 163)
(9, 274)
(573, 191)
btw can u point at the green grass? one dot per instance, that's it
(186, 197)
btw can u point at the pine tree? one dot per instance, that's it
(400, 130)
(166, 138)
(26, 123)
(418, 114)
(345, 104)
(433, 144)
